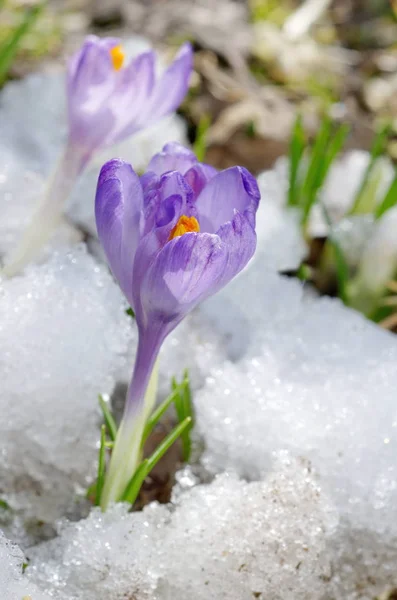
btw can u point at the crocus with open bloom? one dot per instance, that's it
(107, 101)
(172, 238)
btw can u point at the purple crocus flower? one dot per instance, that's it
(172, 238)
(107, 102)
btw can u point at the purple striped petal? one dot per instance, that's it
(172, 86)
(118, 213)
(239, 237)
(91, 65)
(158, 191)
(182, 274)
(134, 86)
(234, 189)
(198, 176)
(173, 157)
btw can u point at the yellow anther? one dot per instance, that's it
(185, 225)
(117, 55)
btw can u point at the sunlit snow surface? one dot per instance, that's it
(64, 336)
(295, 406)
(305, 376)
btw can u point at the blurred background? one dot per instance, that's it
(257, 62)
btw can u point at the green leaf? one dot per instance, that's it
(167, 442)
(101, 466)
(296, 149)
(250, 130)
(304, 272)
(9, 49)
(157, 414)
(200, 143)
(378, 148)
(342, 269)
(130, 313)
(184, 410)
(108, 418)
(389, 200)
(310, 184)
(135, 483)
(334, 148)
(325, 150)
(91, 491)
(4, 505)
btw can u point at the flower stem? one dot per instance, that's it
(48, 213)
(141, 399)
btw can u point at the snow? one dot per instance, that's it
(299, 428)
(12, 585)
(268, 537)
(64, 335)
(310, 376)
(280, 243)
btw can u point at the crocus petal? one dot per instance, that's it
(230, 190)
(90, 83)
(239, 238)
(183, 273)
(173, 157)
(198, 177)
(90, 66)
(157, 193)
(118, 213)
(172, 86)
(128, 103)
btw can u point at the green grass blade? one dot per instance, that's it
(91, 491)
(296, 150)
(101, 466)
(130, 313)
(378, 148)
(133, 487)
(135, 483)
(388, 201)
(9, 49)
(167, 442)
(184, 410)
(342, 269)
(200, 143)
(335, 146)
(325, 150)
(157, 414)
(309, 187)
(108, 418)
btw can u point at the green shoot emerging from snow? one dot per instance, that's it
(309, 165)
(180, 397)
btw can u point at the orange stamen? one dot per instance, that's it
(117, 55)
(185, 225)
